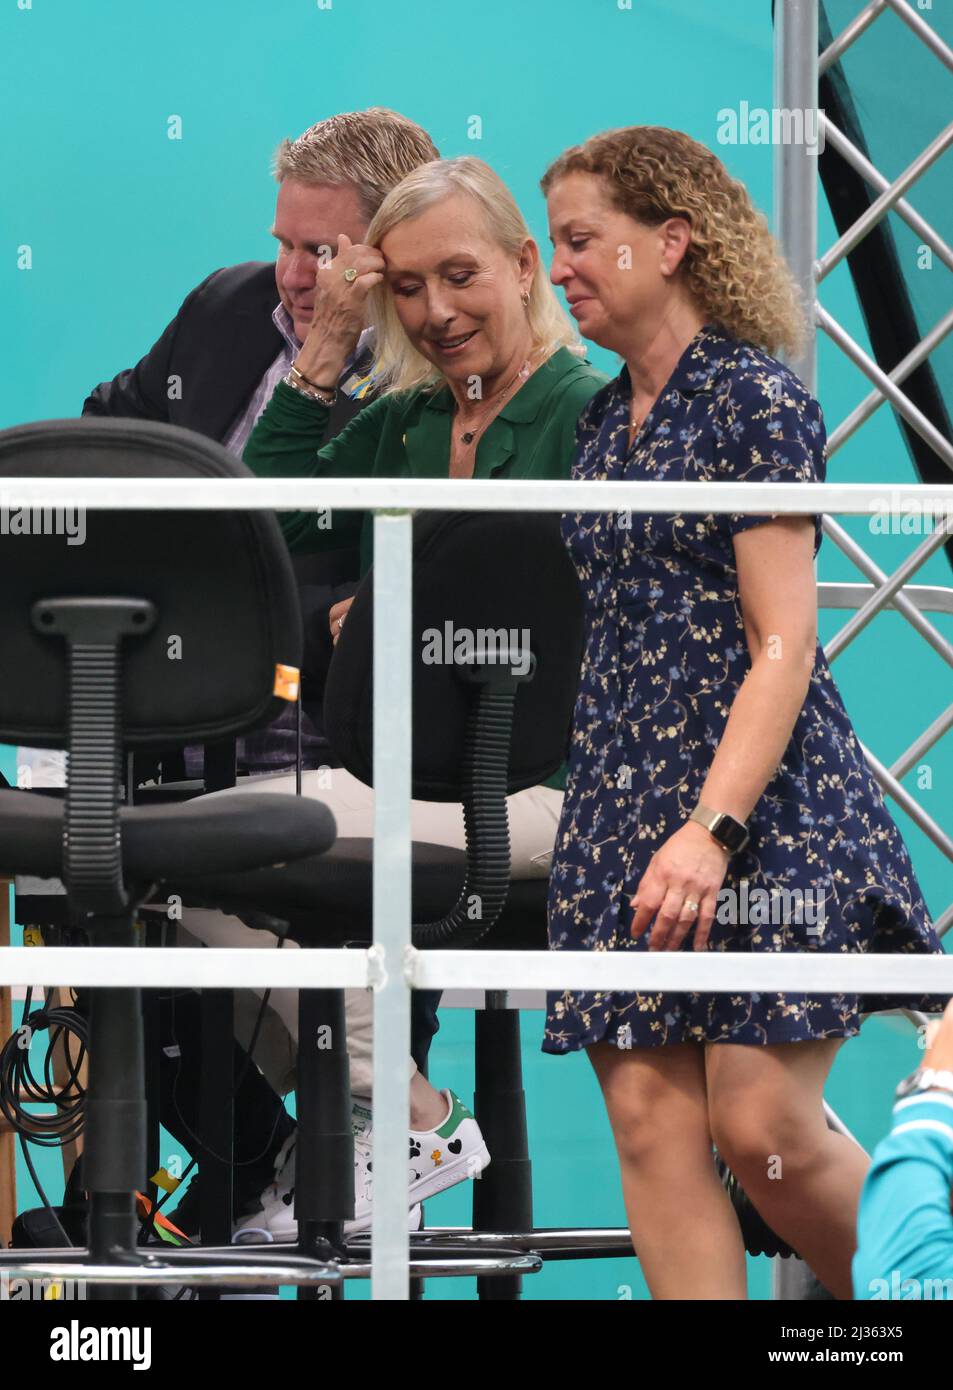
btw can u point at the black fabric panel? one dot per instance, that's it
(471, 570)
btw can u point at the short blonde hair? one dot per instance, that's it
(400, 365)
(733, 267)
(369, 150)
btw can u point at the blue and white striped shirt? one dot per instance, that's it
(239, 434)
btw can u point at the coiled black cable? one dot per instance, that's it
(20, 1087)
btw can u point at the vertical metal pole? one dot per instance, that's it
(795, 226)
(503, 1198)
(216, 1126)
(795, 167)
(390, 1245)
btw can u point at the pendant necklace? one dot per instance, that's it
(468, 436)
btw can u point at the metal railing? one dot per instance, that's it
(392, 966)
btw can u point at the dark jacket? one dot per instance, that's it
(199, 375)
(219, 346)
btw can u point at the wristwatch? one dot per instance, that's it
(731, 834)
(925, 1079)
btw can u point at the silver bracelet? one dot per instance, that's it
(295, 380)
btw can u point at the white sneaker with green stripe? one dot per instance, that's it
(438, 1158)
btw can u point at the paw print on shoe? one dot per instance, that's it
(414, 1148)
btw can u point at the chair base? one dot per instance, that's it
(218, 1267)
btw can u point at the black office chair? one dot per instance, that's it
(485, 725)
(160, 629)
(480, 732)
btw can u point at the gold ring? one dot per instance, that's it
(691, 904)
(350, 275)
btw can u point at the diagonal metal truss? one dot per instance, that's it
(798, 69)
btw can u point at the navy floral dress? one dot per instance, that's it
(825, 868)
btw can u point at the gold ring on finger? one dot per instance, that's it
(350, 275)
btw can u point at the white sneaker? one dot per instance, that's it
(452, 1152)
(275, 1221)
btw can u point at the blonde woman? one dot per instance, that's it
(716, 789)
(482, 376)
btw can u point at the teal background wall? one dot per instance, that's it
(122, 222)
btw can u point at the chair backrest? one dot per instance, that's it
(505, 575)
(222, 585)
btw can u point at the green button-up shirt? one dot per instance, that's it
(407, 435)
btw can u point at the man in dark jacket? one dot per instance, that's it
(213, 370)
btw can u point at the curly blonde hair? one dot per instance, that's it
(733, 267)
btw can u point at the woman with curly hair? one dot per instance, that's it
(716, 788)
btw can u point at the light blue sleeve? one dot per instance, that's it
(904, 1225)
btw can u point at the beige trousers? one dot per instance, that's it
(533, 819)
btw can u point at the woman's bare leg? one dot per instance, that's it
(684, 1228)
(767, 1118)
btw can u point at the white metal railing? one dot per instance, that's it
(392, 966)
(242, 967)
(478, 495)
